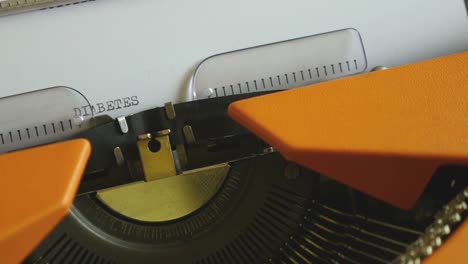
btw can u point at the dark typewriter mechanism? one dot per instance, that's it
(260, 209)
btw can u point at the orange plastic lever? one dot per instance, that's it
(38, 186)
(384, 133)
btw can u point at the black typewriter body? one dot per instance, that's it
(267, 210)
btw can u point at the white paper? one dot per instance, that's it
(146, 50)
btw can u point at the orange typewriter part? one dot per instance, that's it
(383, 133)
(453, 250)
(38, 187)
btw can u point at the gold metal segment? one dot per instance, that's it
(188, 134)
(164, 195)
(160, 163)
(170, 111)
(166, 199)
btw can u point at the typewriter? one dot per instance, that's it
(370, 168)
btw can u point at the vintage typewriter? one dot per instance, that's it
(365, 169)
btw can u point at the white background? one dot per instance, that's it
(112, 49)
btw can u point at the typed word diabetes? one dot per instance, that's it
(107, 106)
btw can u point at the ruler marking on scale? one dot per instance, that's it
(11, 136)
(305, 63)
(1, 136)
(69, 123)
(45, 129)
(53, 128)
(61, 125)
(19, 6)
(326, 72)
(19, 134)
(37, 132)
(27, 133)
